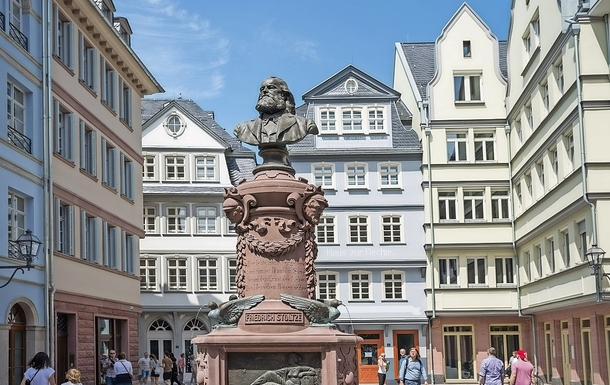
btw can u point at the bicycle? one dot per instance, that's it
(467, 369)
(540, 380)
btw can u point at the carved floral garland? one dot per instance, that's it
(274, 249)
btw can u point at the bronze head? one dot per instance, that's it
(274, 96)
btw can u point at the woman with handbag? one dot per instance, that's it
(40, 371)
(155, 370)
(123, 370)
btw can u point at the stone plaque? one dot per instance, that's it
(274, 368)
(274, 317)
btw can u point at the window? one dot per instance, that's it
(393, 282)
(458, 343)
(528, 115)
(351, 86)
(206, 219)
(538, 260)
(528, 185)
(109, 172)
(108, 84)
(473, 205)
(16, 112)
(358, 229)
(582, 239)
(448, 271)
(540, 171)
(544, 94)
(148, 274)
(128, 252)
(127, 178)
(356, 175)
(16, 22)
(507, 338)
(64, 230)
(476, 271)
(150, 167)
(519, 131)
(327, 120)
(446, 205)
(232, 274)
(550, 254)
(565, 248)
(323, 175)
(16, 216)
(87, 63)
(88, 149)
(63, 129)
(111, 245)
(207, 270)
(205, 168)
(531, 38)
(554, 164)
(174, 125)
(327, 284)
(175, 168)
(499, 204)
(376, 119)
(150, 219)
(176, 220)
(456, 146)
(392, 228)
(360, 283)
(559, 76)
(517, 192)
(62, 46)
(568, 141)
(177, 273)
(467, 88)
(125, 102)
(505, 270)
(89, 238)
(352, 120)
(389, 174)
(484, 146)
(527, 265)
(326, 230)
(466, 48)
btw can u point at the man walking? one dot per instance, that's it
(522, 372)
(144, 363)
(492, 369)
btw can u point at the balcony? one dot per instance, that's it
(18, 36)
(2, 20)
(19, 140)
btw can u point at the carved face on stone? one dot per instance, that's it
(234, 210)
(314, 207)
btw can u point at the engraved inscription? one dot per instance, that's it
(274, 318)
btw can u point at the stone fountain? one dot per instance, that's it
(275, 332)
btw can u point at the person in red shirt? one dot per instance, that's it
(180, 364)
(522, 371)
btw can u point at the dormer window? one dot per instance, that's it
(174, 125)
(466, 48)
(351, 86)
(107, 9)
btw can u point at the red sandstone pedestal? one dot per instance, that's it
(275, 216)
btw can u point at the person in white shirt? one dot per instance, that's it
(40, 371)
(73, 377)
(144, 363)
(123, 370)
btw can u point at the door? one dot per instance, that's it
(565, 351)
(368, 352)
(403, 339)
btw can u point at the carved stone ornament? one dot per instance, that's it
(203, 375)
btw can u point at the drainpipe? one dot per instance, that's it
(581, 134)
(48, 176)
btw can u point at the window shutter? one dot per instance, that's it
(134, 252)
(83, 234)
(83, 140)
(69, 56)
(70, 230)
(103, 79)
(55, 125)
(56, 224)
(130, 181)
(71, 136)
(94, 153)
(96, 241)
(104, 163)
(81, 56)
(124, 254)
(122, 174)
(106, 244)
(56, 25)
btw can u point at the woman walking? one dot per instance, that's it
(412, 370)
(155, 370)
(40, 371)
(382, 369)
(123, 370)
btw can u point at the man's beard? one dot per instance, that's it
(270, 104)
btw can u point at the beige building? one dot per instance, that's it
(515, 187)
(97, 85)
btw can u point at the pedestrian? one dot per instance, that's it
(181, 365)
(511, 360)
(403, 356)
(108, 366)
(40, 371)
(193, 369)
(492, 369)
(382, 368)
(522, 372)
(412, 370)
(123, 370)
(144, 364)
(174, 379)
(73, 377)
(155, 370)
(167, 369)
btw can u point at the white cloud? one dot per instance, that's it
(291, 44)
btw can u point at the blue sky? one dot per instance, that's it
(218, 52)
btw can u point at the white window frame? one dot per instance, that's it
(352, 120)
(538, 260)
(394, 285)
(111, 245)
(500, 205)
(108, 84)
(232, 274)
(150, 167)
(127, 178)
(62, 38)
(529, 115)
(356, 175)
(503, 276)
(376, 119)
(327, 117)
(178, 268)
(179, 214)
(16, 13)
(541, 179)
(90, 241)
(391, 228)
(125, 102)
(64, 227)
(204, 222)
(565, 247)
(531, 37)
(16, 107)
(463, 90)
(326, 230)
(487, 143)
(477, 275)
(150, 220)
(554, 161)
(544, 95)
(449, 272)
(560, 77)
(445, 207)
(87, 69)
(550, 254)
(328, 284)
(179, 170)
(527, 264)
(581, 228)
(128, 252)
(109, 165)
(323, 175)
(390, 175)
(208, 267)
(64, 131)
(358, 229)
(205, 164)
(457, 143)
(519, 130)
(360, 285)
(149, 268)
(474, 199)
(568, 139)
(17, 215)
(88, 149)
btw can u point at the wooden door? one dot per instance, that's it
(368, 352)
(565, 352)
(402, 339)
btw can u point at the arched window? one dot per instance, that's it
(194, 324)
(160, 338)
(160, 325)
(16, 345)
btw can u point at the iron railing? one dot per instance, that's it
(19, 140)
(2, 21)
(18, 36)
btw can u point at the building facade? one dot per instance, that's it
(187, 257)
(370, 238)
(23, 303)
(97, 84)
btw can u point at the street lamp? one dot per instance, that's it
(595, 258)
(25, 248)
